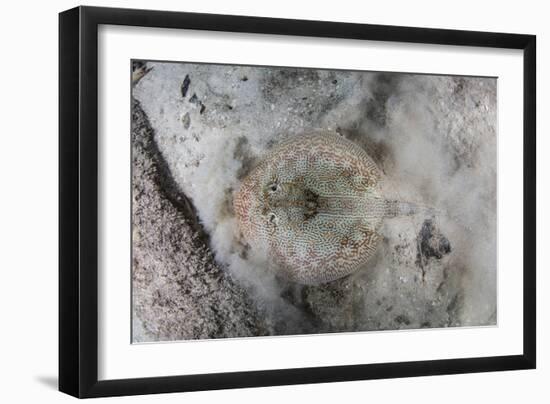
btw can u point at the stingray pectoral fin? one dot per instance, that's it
(368, 242)
(354, 252)
(312, 264)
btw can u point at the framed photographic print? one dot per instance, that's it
(251, 201)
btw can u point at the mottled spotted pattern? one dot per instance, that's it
(313, 208)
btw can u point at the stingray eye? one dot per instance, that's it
(273, 187)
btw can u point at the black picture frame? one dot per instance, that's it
(78, 201)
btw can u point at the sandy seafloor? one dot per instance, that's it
(198, 129)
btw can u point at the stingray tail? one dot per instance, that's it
(399, 208)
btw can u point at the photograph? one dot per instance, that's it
(272, 201)
(253, 202)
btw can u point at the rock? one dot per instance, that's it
(179, 291)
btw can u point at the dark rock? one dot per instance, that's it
(432, 244)
(195, 100)
(402, 320)
(185, 85)
(384, 86)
